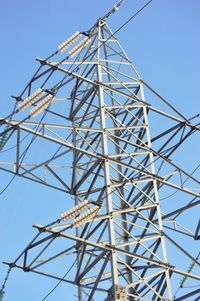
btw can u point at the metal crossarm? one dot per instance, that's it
(110, 150)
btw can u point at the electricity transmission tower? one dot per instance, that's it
(128, 233)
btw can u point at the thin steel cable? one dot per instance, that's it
(133, 16)
(75, 69)
(170, 195)
(33, 138)
(23, 155)
(61, 280)
(12, 179)
(6, 187)
(12, 265)
(14, 146)
(9, 183)
(123, 25)
(103, 42)
(93, 251)
(81, 245)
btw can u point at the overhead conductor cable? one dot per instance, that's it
(31, 99)
(69, 41)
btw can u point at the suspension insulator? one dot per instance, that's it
(31, 99)
(42, 105)
(74, 211)
(69, 41)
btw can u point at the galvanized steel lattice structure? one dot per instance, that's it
(110, 149)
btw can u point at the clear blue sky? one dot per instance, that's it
(163, 42)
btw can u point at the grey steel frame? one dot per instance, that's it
(121, 253)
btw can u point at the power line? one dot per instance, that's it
(65, 273)
(82, 244)
(106, 40)
(89, 230)
(123, 25)
(59, 282)
(33, 138)
(166, 197)
(24, 154)
(114, 9)
(133, 16)
(106, 16)
(9, 183)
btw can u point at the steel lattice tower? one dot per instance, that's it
(109, 149)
